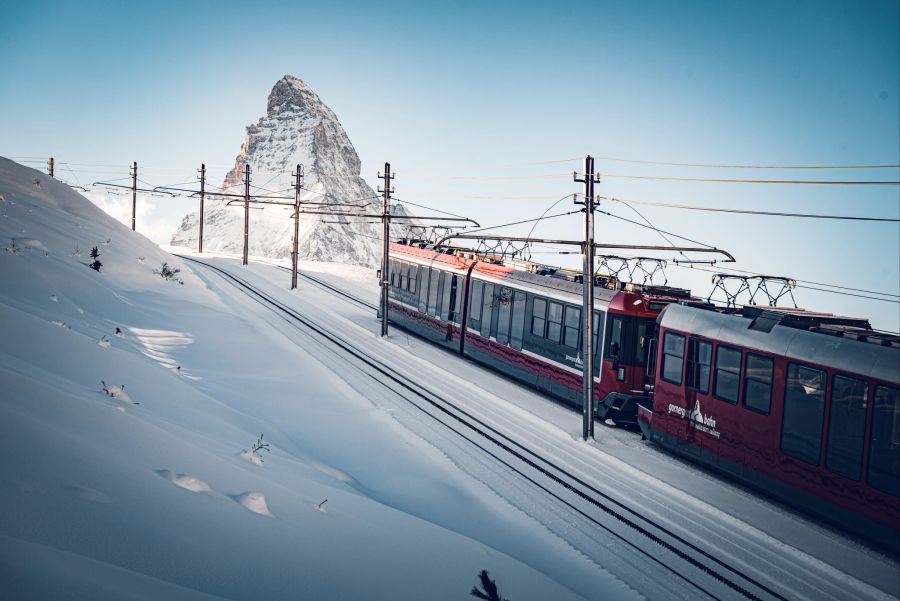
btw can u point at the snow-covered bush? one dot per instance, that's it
(253, 453)
(169, 274)
(95, 255)
(111, 390)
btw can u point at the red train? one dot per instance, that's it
(803, 406)
(524, 320)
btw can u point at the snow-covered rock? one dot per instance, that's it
(298, 129)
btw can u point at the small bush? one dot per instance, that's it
(169, 274)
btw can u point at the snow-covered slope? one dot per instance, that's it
(148, 494)
(298, 129)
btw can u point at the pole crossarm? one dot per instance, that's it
(153, 190)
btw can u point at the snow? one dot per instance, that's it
(360, 496)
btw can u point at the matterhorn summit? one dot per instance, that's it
(298, 129)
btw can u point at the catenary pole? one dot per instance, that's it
(589, 179)
(133, 194)
(246, 210)
(385, 256)
(295, 246)
(202, 195)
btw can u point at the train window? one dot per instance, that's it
(486, 308)
(413, 276)
(456, 316)
(538, 317)
(424, 273)
(573, 324)
(728, 374)
(758, 383)
(846, 426)
(598, 325)
(434, 299)
(644, 334)
(673, 357)
(615, 339)
(475, 304)
(884, 446)
(554, 321)
(504, 312)
(395, 272)
(518, 319)
(445, 295)
(804, 409)
(699, 358)
(404, 275)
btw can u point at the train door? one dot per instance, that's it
(626, 353)
(698, 360)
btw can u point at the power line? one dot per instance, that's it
(425, 207)
(748, 211)
(736, 166)
(753, 181)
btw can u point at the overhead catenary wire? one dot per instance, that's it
(748, 211)
(751, 181)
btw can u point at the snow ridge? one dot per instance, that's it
(298, 128)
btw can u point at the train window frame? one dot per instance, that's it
(504, 313)
(476, 295)
(487, 310)
(694, 343)
(542, 318)
(571, 328)
(748, 377)
(520, 300)
(455, 314)
(666, 355)
(445, 290)
(890, 453)
(615, 330)
(425, 273)
(554, 326)
(434, 298)
(717, 369)
(413, 278)
(404, 275)
(834, 425)
(786, 404)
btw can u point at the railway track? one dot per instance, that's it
(659, 545)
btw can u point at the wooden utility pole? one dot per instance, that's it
(50, 166)
(133, 194)
(589, 179)
(202, 195)
(386, 254)
(246, 210)
(295, 246)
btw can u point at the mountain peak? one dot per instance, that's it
(291, 95)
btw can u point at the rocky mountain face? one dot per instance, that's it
(298, 129)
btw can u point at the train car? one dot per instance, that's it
(524, 320)
(803, 406)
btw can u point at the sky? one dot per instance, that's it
(485, 110)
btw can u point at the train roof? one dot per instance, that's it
(841, 343)
(549, 280)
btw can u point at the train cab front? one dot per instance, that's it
(625, 381)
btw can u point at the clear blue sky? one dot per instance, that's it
(462, 89)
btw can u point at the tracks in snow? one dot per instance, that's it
(658, 544)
